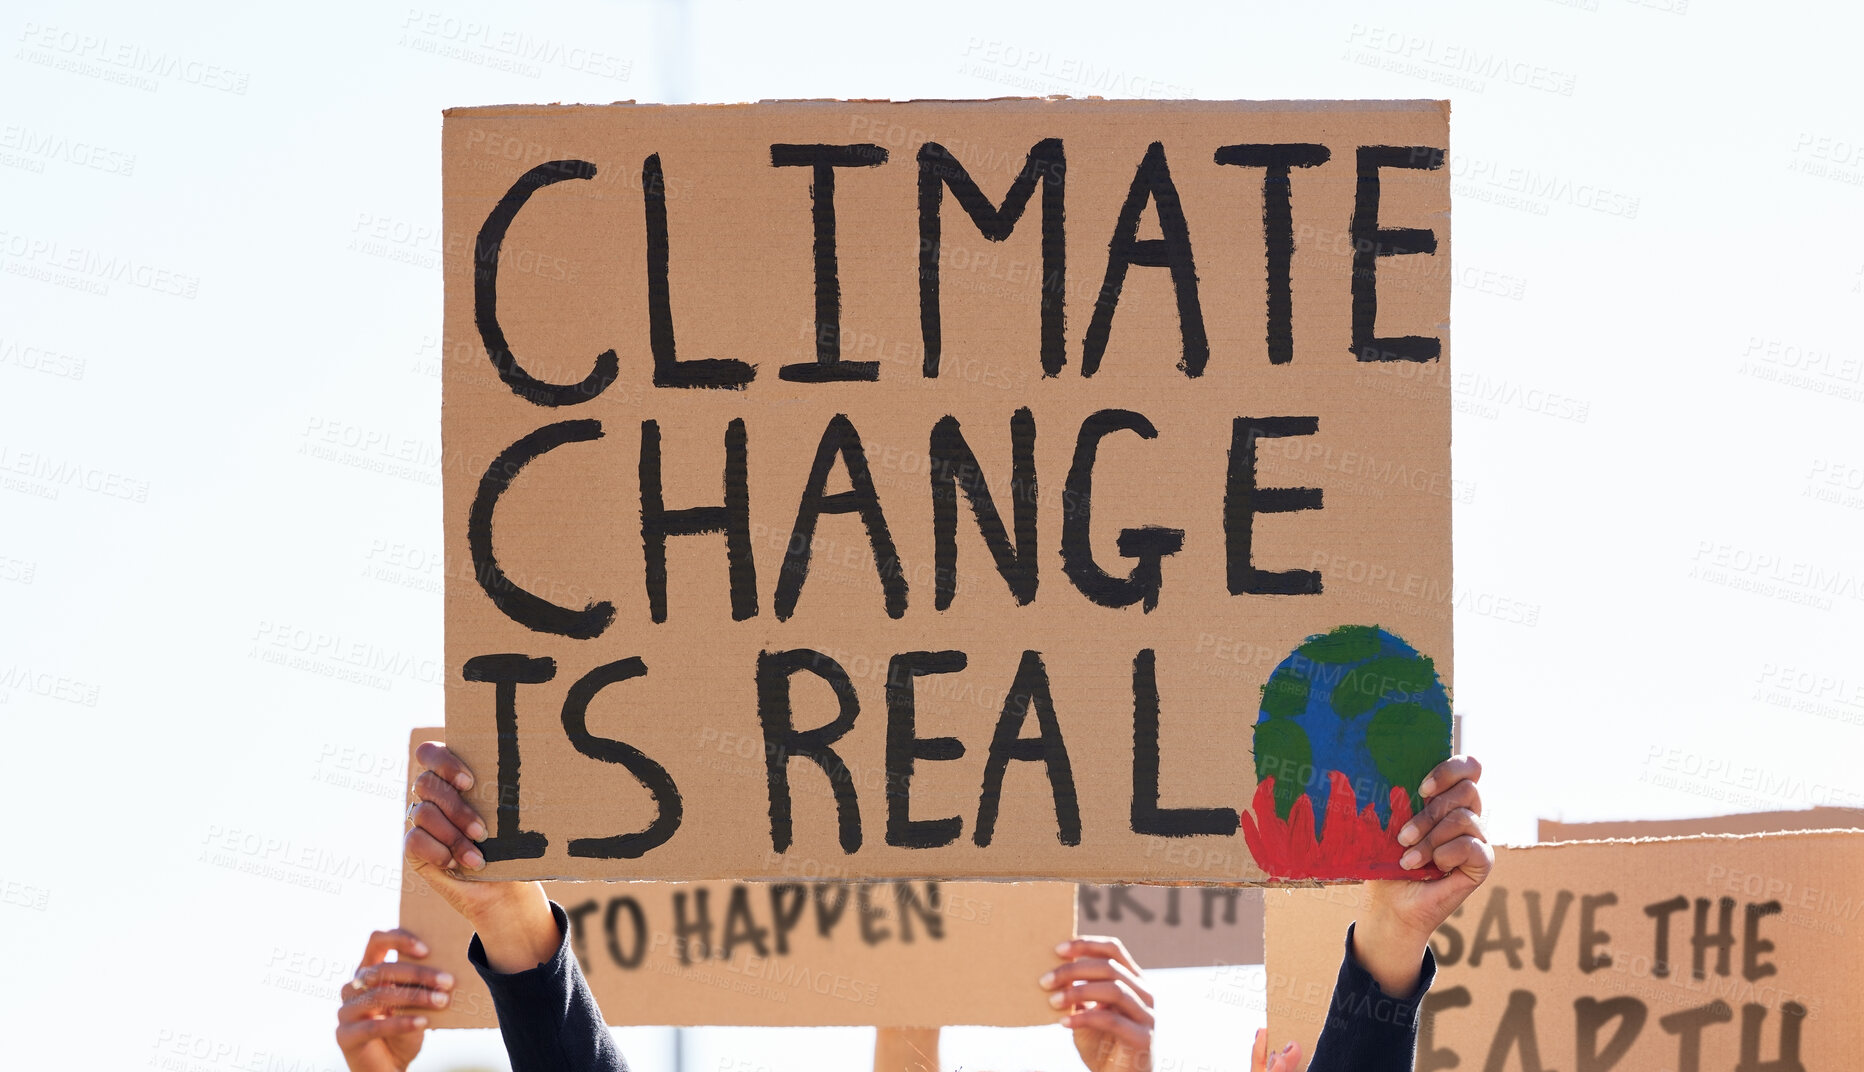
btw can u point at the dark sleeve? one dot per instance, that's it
(1367, 1030)
(547, 1014)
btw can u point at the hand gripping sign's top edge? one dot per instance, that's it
(996, 103)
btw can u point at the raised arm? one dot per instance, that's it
(521, 948)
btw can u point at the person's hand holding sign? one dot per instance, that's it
(380, 1024)
(1103, 999)
(1286, 1059)
(513, 919)
(1395, 929)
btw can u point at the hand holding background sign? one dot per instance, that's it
(382, 1021)
(513, 919)
(1106, 1004)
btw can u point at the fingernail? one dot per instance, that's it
(420, 1023)
(420, 949)
(1288, 1048)
(1058, 999)
(1410, 859)
(439, 999)
(473, 859)
(1047, 980)
(463, 781)
(1068, 1020)
(476, 831)
(1062, 949)
(1405, 836)
(1427, 787)
(445, 979)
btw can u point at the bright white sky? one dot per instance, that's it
(1659, 387)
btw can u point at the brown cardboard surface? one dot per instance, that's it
(1176, 926)
(1520, 963)
(1753, 822)
(906, 1049)
(572, 282)
(877, 964)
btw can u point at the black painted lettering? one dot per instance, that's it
(939, 169)
(782, 740)
(1277, 228)
(953, 465)
(1545, 935)
(1590, 936)
(741, 927)
(1029, 689)
(827, 912)
(533, 612)
(1147, 816)
(733, 519)
(693, 938)
(509, 841)
(1172, 250)
(1661, 912)
(1149, 545)
(1370, 242)
(1688, 1025)
(638, 925)
(1753, 1017)
(1515, 1035)
(1430, 1056)
(669, 370)
(1753, 945)
(840, 440)
(872, 933)
(1589, 1015)
(1243, 500)
(1494, 933)
(783, 919)
(1722, 940)
(1228, 896)
(908, 904)
(667, 804)
(485, 294)
(1121, 902)
(823, 160)
(905, 748)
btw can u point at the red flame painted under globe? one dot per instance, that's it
(1355, 845)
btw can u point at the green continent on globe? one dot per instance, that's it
(1346, 644)
(1284, 754)
(1285, 696)
(1406, 742)
(1368, 683)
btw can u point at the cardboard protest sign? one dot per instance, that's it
(997, 489)
(890, 954)
(1176, 926)
(1737, 953)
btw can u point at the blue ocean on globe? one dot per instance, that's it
(1358, 700)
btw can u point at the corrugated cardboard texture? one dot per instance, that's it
(1568, 931)
(1753, 822)
(889, 969)
(1175, 926)
(573, 282)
